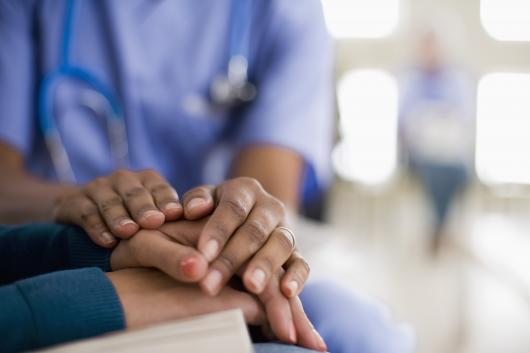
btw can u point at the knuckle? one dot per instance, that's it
(222, 230)
(88, 214)
(277, 205)
(236, 208)
(149, 173)
(250, 182)
(256, 232)
(91, 220)
(227, 262)
(162, 189)
(121, 173)
(96, 184)
(134, 193)
(99, 181)
(98, 226)
(110, 203)
(88, 210)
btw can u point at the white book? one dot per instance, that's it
(213, 333)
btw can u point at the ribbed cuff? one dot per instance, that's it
(71, 305)
(84, 252)
(16, 322)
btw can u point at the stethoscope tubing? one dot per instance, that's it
(239, 37)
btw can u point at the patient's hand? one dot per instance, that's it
(173, 252)
(175, 255)
(149, 297)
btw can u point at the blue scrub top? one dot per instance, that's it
(155, 54)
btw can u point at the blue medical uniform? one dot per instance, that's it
(155, 54)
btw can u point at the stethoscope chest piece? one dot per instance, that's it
(225, 93)
(233, 88)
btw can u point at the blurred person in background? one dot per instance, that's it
(437, 123)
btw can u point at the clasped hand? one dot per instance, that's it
(234, 228)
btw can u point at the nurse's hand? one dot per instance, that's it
(245, 226)
(172, 249)
(119, 205)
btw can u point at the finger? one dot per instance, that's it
(308, 337)
(111, 208)
(84, 213)
(268, 260)
(199, 202)
(183, 232)
(138, 200)
(245, 243)
(165, 196)
(153, 249)
(278, 311)
(230, 213)
(297, 273)
(252, 309)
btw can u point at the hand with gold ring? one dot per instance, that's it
(245, 228)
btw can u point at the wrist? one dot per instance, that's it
(138, 293)
(63, 193)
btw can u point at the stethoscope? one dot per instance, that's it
(230, 89)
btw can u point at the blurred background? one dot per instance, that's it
(435, 219)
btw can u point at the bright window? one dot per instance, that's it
(506, 19)
(503, 129)
(361, 18)
(368, 106)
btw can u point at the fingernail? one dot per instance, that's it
(210, 249)
(292, 333)
(126, 221)
(172, 206)
(292, 286)
(152, 213)
(194, 203)
(107, 238)
(188, 265)
(258, 279)
(212, 281)
(320, 342)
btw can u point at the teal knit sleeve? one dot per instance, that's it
(33, 249)
(56, 308)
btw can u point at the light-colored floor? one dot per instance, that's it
(472, 298)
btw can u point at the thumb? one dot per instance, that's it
(154, 249)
